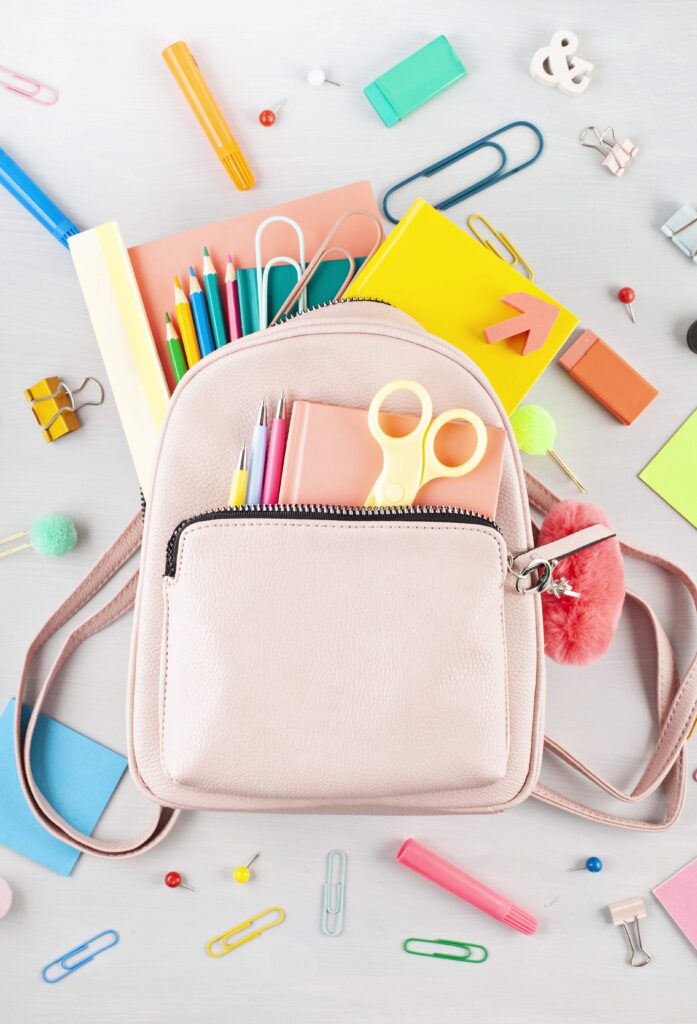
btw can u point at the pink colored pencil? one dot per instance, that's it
(275, 455)
(232, 300)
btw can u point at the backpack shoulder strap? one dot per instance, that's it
(676, 706)
(123, 548)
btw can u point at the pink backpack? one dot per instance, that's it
(305, 658)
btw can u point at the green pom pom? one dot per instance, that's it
(53, 535)
(534, 429)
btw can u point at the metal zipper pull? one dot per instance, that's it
(533, 570)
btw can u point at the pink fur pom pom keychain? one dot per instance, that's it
(579, 629)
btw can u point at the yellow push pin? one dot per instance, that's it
(242, 874)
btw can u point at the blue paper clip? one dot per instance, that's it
(68, 968)
(334, 893)
(490, 179)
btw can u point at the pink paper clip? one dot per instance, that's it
(37, 92)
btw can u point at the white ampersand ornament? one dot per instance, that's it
(555, 65)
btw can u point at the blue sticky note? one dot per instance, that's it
(76, 775)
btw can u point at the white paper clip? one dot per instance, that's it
(617, 155)
(627, 914)
(334, 894)
(681, 229)
(262, 271)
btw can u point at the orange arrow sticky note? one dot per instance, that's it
(536, 320)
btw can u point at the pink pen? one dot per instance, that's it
(415, 856)
(232, 300)
(275, 454)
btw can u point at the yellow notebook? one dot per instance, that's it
(454, 287)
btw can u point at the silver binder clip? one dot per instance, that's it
(617, 156)
(627, 914)
(334, 894)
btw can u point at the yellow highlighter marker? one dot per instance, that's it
(209, 115)
(186, 324)
(238, 487)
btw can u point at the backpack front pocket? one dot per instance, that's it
(330, 654)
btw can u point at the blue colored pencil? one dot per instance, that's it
(200, 312)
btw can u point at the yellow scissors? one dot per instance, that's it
(410, 462)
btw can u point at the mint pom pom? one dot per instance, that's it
(534, 429)
(53, 535)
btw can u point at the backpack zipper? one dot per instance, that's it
(331, 302)
(422, 513)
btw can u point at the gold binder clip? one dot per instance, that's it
(508, 246)
(54, 406)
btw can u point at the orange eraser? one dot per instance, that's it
(607, 377)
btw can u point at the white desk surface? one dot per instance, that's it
(121, 145)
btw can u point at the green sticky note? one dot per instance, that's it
(409, 84)
(672, 473)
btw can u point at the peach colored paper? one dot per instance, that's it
(156, 263)
(333, 459)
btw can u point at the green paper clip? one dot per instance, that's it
(464, 958)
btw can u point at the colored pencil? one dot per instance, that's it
(215, 305)
(198, 308)
(258, 458)
(238, 487)
(186, 324)
(232, 297)
(176, 352)
(275, 455)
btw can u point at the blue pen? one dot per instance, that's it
(200, 311)
(258, 458)
(27, 192)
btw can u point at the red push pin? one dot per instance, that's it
(627, 296)
(268, 117)
(173, 879)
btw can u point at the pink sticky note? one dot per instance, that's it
(678, 896)
(156, 263)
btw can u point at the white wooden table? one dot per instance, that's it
(120, 145)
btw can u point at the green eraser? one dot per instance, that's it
(415, 80)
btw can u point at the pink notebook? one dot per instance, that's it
(156, 263)
(333, 459)
(678, 896)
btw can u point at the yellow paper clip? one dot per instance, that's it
(53, 404)
(508, 246)
(228, 947)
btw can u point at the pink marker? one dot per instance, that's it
(232, 300)
(415, 856)
(275, 454)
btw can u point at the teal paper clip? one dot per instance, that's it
(334, 894)
(414, 81)
(465, 957)
(460, 154)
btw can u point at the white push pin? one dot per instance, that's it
(316, 76)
